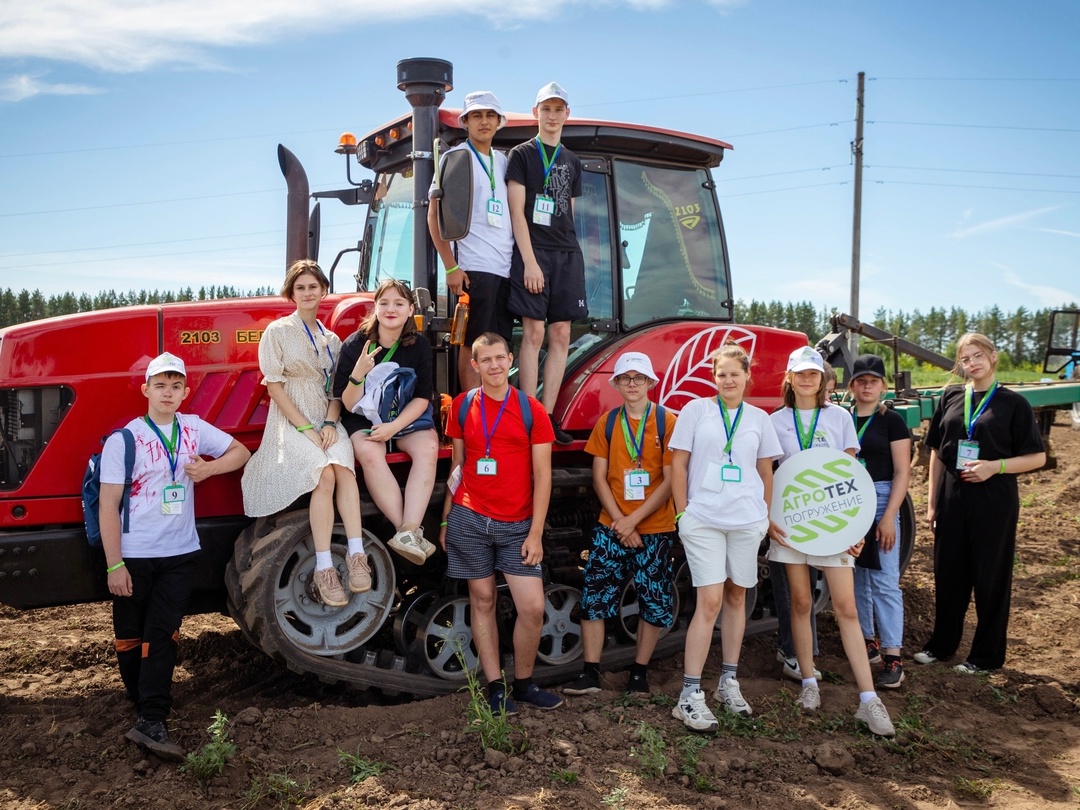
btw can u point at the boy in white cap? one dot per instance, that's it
(632, 479)
(479, 264)
(547, 275)
(151, 567)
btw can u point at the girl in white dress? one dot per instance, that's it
(304, 449)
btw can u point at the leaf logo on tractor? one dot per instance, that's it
(689, 375)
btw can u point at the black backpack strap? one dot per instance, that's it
(129, 475)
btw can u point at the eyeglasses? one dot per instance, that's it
(972, 358)
(637, 379)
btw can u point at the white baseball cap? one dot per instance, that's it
(633, 361)
(551, 90)
(481, 100)
(805, 359)
(163, 363)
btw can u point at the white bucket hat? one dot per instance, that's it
(481, 100)
(633, 361)
(805, 359)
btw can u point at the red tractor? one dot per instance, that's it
(658, 282)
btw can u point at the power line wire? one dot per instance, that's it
(778, 174)
(788, 129)
(136, 258)
(966, 79)
(972, 171)
(972, 126)
(717, 92)
(160, 144)
(959, 185)
(776, 190)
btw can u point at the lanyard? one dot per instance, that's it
(325, 371)
(170, 447)
(969, 420)
(488, 170)
(805, 439)
(389, 354)
(547, 163)
(729, 426)
(861, 430)
(634, 444)
(483, 418)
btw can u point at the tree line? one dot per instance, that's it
(1020, 335)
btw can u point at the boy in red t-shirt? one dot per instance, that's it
(496, 504)
(632, 479)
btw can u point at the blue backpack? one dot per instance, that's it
(91, 489)
(523, 401)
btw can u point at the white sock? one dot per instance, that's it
(809, 682)
(356, 545)
(323, 560)
(866, 697)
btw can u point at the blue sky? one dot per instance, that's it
(137, 141)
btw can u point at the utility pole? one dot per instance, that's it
(856, 225)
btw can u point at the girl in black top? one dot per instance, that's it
(389, 334)
(981, 436)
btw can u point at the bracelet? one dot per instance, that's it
(305, 427)
(116, 567)
(1002, 470)
(442, 524)
(357, 382)
(328, 423)
(678, 515)
(453, 269)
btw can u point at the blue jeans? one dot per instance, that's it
(877, 593)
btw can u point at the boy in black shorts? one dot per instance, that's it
(547, 273)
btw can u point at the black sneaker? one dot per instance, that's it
(538, 698)
(892, 674)
(498, 701)
(561, 436)
(638, 684)
(873, 651)
(154, 737)
(584, 685)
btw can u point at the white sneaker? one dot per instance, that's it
(809, 698)
(876, 717)
(694, 713)
(408, 546)
(729, 693)
(791, 667)
(425, 545)
(925, 657)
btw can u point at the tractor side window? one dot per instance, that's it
(392, 234)
(672, 251)
(592, 222)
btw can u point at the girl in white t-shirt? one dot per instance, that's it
(807, 421)
(721, 481)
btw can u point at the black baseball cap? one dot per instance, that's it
(868, 364)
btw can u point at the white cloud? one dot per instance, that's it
(1046, 296)
(126, 36)
(24, 86)
(1073, 234)
(1002, 222)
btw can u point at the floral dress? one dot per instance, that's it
(288, 464)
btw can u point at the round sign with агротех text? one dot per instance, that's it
(824, 500)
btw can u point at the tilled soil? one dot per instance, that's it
(1011, 739)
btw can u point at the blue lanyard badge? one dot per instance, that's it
(326, 371)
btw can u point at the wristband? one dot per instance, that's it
(328, 423)
(678, 515)
(453, 269)
(442, 524)
(116, 567)
(1002, 470)
(357, 382)
(305, 427)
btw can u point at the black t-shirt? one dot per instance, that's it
(526, 167)
(876, 442)
(1005, 429)
(416, 356)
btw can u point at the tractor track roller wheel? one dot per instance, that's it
(560, 636)
(447, 638)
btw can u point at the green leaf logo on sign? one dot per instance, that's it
(824, 500)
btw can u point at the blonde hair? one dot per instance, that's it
(299, 268)
(975, 339)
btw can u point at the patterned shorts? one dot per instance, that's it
(611, 564)
(477, 545)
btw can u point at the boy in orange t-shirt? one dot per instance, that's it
(632, 479)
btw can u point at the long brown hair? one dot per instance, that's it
(788, 392)
(299, 268)
(369, 327)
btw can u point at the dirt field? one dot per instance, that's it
(1009, 740)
